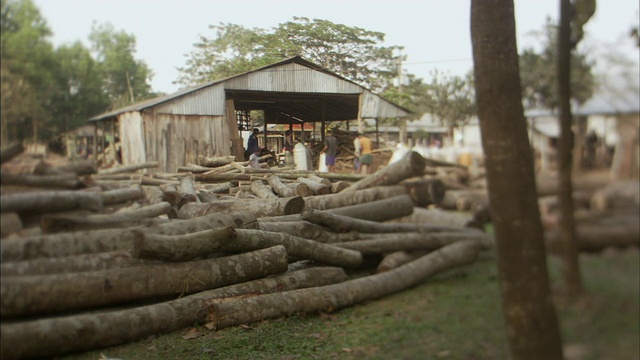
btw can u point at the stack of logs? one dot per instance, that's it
(93, 258)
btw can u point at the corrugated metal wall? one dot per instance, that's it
(207, 101)
(374, 106)
(292, 78)
(176, 140)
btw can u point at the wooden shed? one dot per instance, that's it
(205, 120)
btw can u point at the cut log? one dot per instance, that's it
(215, 161)
(64, 181)
(142, 215)
(193, 168)
(296, 247)
(10, 222)
(338, 186)
(33, 295)
(425, 192)
(262, 190)
(398, 258)
(386, 243)
(72, 264)
(318, 188)
(412, 164)
(129, 168)
(181, 247)
(153, 194)
(464, 200)
(78, 167)
(379, 210)
(341, 224)
(300, 189)
(338, 296)
(83, 332)
(319, 179)
(307, 230)
(122, 195)
(9, 152)
(50, 201)
(332, 201)
(215, 188)
(279, 187)
(82, 242)
(259, 207)
(206, 196)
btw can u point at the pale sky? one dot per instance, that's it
(434, 33)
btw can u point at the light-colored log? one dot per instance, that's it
(412, 164)
(129, 168)
(9, 152)
(64, 181)
(332, 201)
(262, 190)
(318, 188)
(258, 207)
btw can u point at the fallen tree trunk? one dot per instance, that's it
(440, 217)
(10, 222)
(181, 247)
(129, 168)
(215, 161)
(193, 168)
(425, 192)
(332, 201)
(139, 216)
(72, 264)
(259, 207)
(262, 190)
(78, 167)
(65, 181)
(279, 187)
(341, 224)
(398, 258)
(318, 188)
(379, 210)
(82, 242)
(300, 189)
(46, 294)
(338, 296)
(117, 196)
(297, 247)
(338, 186)
(9, 152)
(412, 164)
(386, 243)
(83, 332)
(307, 230)
(50, 201)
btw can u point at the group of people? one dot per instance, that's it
(363, 152)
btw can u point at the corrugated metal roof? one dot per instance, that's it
(309, 79)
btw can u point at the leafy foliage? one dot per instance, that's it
(352, 52)
(451, 99)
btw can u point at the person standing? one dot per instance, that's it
(366, 157)
(253, 145)
(330, 150)
(357, 148)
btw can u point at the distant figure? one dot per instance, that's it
(590, 144)
(357, 149)
(252, 144)
(366, 157)
(330, 150)
(254, 161)
(288, 141)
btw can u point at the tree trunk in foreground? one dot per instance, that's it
(333, 297)
(532, 325)
(50, 201)
(83, 332)
(412, 164)
(82, 242)
(34, 295)
(258, 207)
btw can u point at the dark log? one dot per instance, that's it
(297, 247)
(306, 230)
(398, 258)
(332, 201)
(72, 264)
(65, 181)
(129, 168)
(412, 164)
(127, 218)
(82, 242)
(259, 207)
(261, 190)
(9, 152)
(78, 167)
(122, 195)
(181, 247)
(386, 243)
(318, 188)
(425, 192)
(341, 224)
(46, 294)
(10, 222)
(50, 201)
(379, 210)
(60, 335)
(338, 296)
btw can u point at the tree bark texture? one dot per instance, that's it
(279, 187)
(259, 207)
(425, 192)
(331, 201)
(379, 210)
(532, 325)
(46, 294)
(181, 247)
(82, 242)
(386, 243)
(316, 187)
(261, 190)
(398, 258)
(63, 181)
(83, 332)
(333, 297)
(50, 201)
(412, 164)
(215, 161)
(129, 168)
(307, 230)
(117, 196)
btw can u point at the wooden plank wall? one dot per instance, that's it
(132, 138)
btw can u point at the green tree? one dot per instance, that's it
(352, 52)
(125, 79)
(27, 65)
(538, 73)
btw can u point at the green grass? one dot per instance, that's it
(455, 315)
